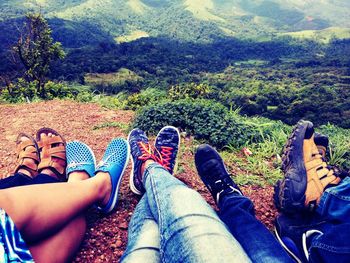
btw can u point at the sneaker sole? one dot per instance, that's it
(115, 197)
(178, 146)
(290, 192)
(285, 247)
(131, 177)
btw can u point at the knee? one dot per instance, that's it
(7, 203)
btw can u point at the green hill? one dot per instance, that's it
(323, 36)
(189, 20)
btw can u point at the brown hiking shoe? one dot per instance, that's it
(306, 173)
(319, 174)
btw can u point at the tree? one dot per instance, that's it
(36, 50)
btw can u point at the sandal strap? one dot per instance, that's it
(48, 151)
(23, 145)
(32, 155)
(50, 164)
(47, 142)
(58, 152)
(27, 152)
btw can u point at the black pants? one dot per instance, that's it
(20, 179)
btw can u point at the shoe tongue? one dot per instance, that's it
(213, 168)
(322, 150)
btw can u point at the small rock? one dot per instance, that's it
(119, 243)
(123, 225)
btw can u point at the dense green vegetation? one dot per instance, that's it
(284, 79)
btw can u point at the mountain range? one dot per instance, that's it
(187, 20)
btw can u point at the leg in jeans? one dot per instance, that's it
(237, 212)
(190, 230)
(333, 245)
(143, 236)
(335, 203)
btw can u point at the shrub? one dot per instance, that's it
(339, 145)
(204, 119)
(22, 91)
(189, 90)
(58, 90)
(145, 97)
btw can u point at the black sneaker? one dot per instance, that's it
(213, 173)
(141, 151)
(306, 173)
(168, 143)
(295, 235)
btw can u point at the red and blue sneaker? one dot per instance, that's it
(141, 151)
(167, 145)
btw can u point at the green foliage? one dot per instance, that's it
(20, 91)
(110, 102)
(189, 90)
(112, 83)
(36, 51)
(339, 146)
(204, 119)
(145, 97)
(282, 92)
(23, 91)
(120, 125)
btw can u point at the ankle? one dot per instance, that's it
(26, 172)
(145, 165)
(104, 187)
(78, 176)
(49, 172)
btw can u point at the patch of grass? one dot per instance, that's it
(118, 78)
(339, 146)
(324, 35)
(111, 102)
(134, 35)
(248, 179)
(123, 126)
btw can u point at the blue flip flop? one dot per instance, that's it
(114, 161)
(80, 157)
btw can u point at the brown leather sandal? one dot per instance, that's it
(27, 152)
(51, 150)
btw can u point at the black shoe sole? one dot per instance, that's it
(289, 193)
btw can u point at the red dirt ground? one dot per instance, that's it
(106, 236)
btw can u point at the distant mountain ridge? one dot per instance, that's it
(189, 20)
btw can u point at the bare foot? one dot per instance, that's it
(61, 162)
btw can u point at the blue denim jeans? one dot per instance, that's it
(334, 208)
(20, 179)
(237, 212)
(173, 223)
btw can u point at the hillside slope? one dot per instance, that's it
(194, 20)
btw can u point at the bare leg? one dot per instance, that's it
(41, 210)
(65, 243)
